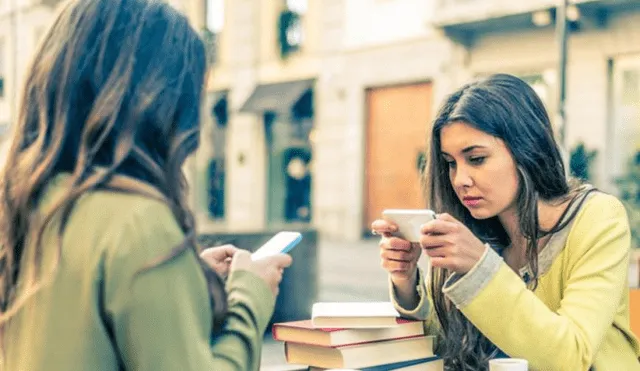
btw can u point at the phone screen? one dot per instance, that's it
(282, 242)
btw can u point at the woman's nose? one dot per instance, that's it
(462, 178)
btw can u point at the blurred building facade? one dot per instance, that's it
(375, 72)
(325, 113)
(317, 112)
(22, 26)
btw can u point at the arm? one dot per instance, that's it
(509, 314)
(161, 318)
(422, 311)
(251, 304)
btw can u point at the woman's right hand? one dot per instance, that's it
(399, 257)
(269, 269)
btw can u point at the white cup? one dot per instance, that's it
(508, 364)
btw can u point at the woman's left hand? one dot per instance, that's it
(450, 244)
(219, 258)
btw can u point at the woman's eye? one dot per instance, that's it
(477, 160)
(451, 164)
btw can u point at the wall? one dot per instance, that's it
(237, 71)
(378, 22)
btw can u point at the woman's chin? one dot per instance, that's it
(480, 214)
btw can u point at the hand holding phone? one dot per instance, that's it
(268, 268)
(409, 221)
(281, 243)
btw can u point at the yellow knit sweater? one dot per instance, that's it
(577, 317)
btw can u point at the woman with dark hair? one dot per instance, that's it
(523, 263)
(99, 267)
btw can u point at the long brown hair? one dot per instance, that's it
(506, 107)
(114, 89)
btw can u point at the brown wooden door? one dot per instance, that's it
(398, 121)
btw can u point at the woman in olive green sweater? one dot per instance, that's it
(99, 269)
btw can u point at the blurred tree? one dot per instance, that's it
(421, 161)
(629, 186)
(580, 162)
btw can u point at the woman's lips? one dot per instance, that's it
(472, 201)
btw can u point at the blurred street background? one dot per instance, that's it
(317, 113)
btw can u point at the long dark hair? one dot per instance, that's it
(505, 107)
(114, 89)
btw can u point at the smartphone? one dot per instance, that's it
(409, 221)
(282, 242)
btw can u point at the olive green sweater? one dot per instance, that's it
(95, 313)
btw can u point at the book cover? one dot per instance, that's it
(304, 332)
(354, 315)
(424, 364)
(361, 355)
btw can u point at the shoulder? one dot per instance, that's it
(602, 220)
(599, 207)
(129, 224)
(124, 209)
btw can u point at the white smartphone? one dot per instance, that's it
(282, 242)
(409, 221)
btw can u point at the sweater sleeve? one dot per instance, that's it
(423, 311)
(595, 279)
(161, 317)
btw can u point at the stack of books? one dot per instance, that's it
(358, 336)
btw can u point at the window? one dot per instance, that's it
(298, 6)
(216, 172)
(624, 134)
(289, 169)
(214, 19)
(214, 22)
(291, 33)
(294, 34)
